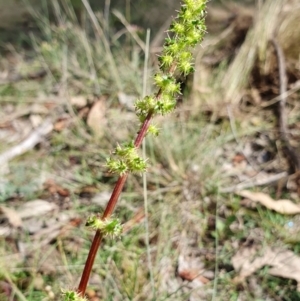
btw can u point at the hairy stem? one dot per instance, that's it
(98, 235)
(112, 203)
(109, 210)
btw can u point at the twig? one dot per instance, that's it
(14, 287)
(255, 182)
(290, 151)
(19, 77)
(130, 29)
(288, 93)
(34, 138)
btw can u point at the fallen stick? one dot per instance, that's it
(255, 182)
(291, 153)
(30, 142)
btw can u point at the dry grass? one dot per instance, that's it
(234, 76)
(196, 154)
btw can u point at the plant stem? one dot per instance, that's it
(186, 31)
(98, 235)
(109, 210)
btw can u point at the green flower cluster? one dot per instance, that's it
(109, 226)
(176, 59)
(186, 31)
(126, 159)
(72, 296)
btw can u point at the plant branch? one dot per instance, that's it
(98, 235)
(291, 152)
(110, 208)
(186, 31)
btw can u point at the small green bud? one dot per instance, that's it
(137, 164)
(185, 55)
(72, 296)
(178, 28)
(167, 83)
(109, 226)
(193, 37)
(153, 130)
(127, 160)
(144, 106)
(169, 103)
(185, 67)
(166, 60)
(126, 151)
(190, 4)
(173, 48)
(171, 87)
(116, 166)
(142, 117)
(186, 14)
(196, 6)
(160, 79)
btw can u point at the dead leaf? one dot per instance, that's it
(61, 124)
(256, 99)
(45, 264)
(38, 282)
(39, 109)
(34, 138)
(127, 100)
(191, 270)
(36, 120)
(91, 293)
(167, 282)
(10, 261)
(96, 119)
(33, 225)
(283, 263)
(79, 101)
(49, 230)
(12, 216)
(36, 208)
(5, 231)
(54, 188)
(246, 262)
(6, 290)
(89, 191)
(280, 206)
(238, 159)
(83, 113)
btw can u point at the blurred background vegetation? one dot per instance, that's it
(80, 64)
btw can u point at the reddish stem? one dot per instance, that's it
(108, 212)
(112, 203)
(98, 236)
(143, 131)
(89, 263)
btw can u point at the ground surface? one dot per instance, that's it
(223, 177)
